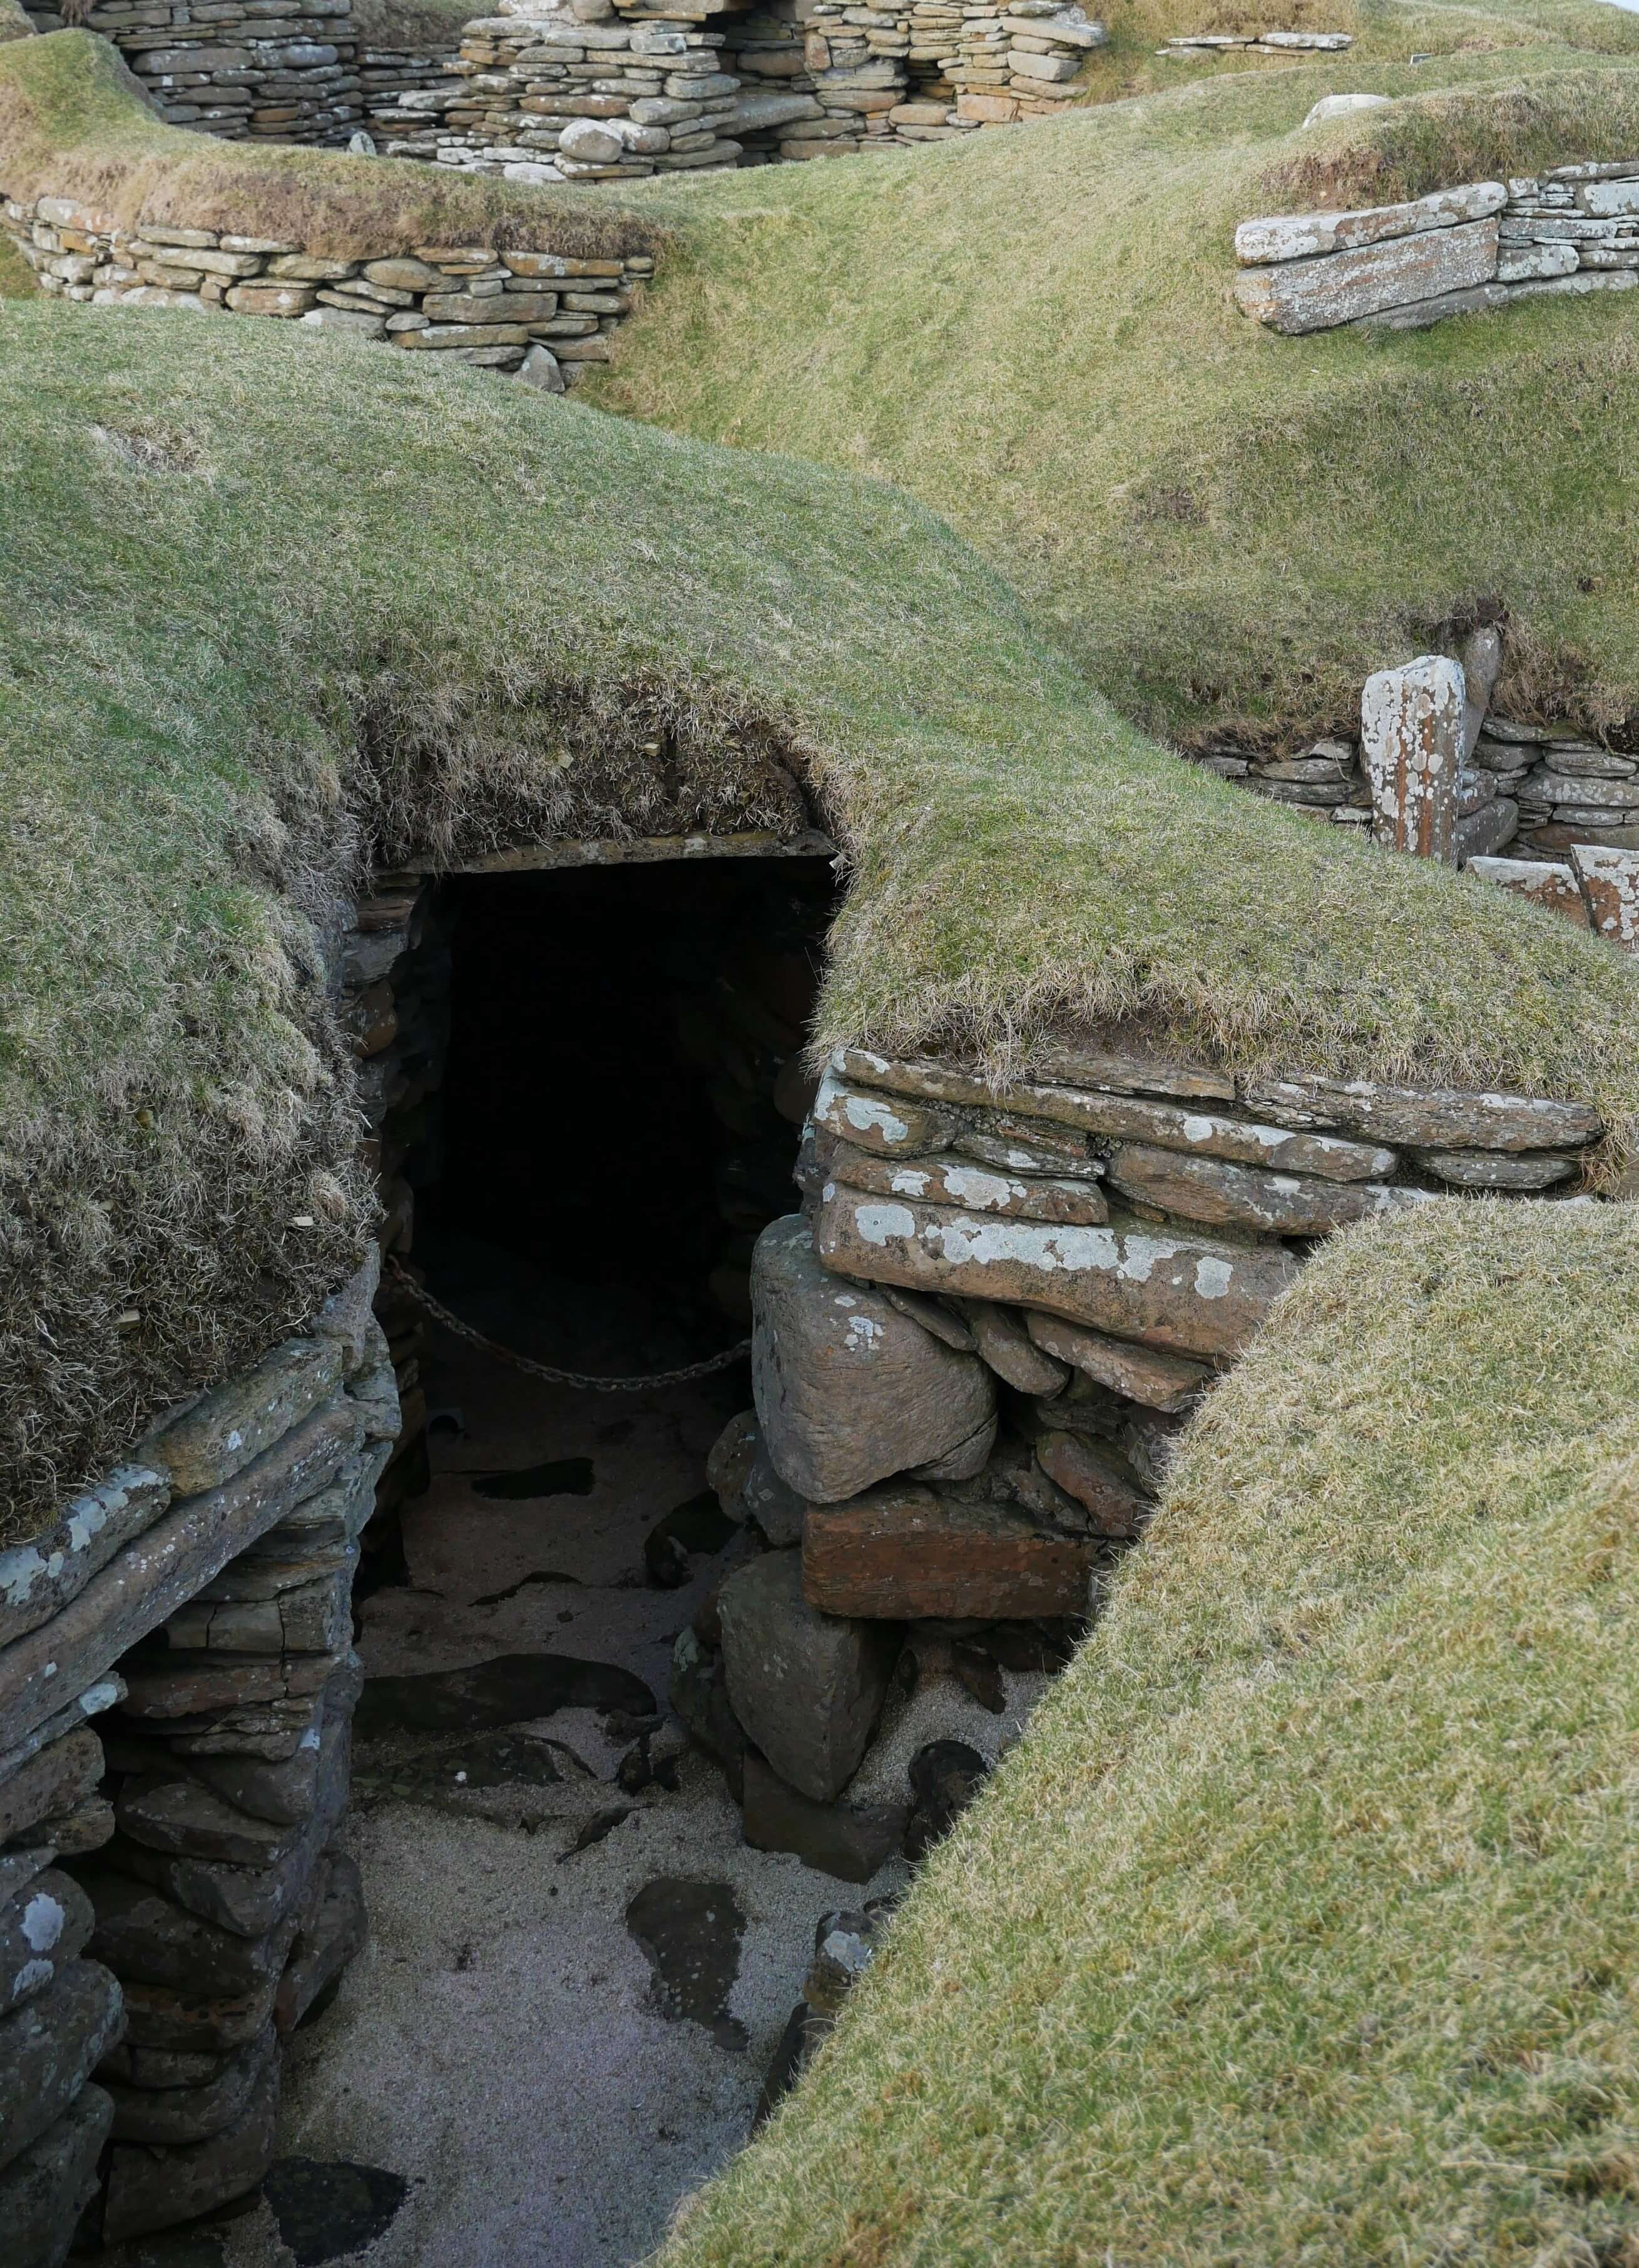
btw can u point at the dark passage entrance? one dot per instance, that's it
(621, 1100)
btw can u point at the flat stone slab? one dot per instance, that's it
(48, 2186)
(850, 1841)
(1161, 1381)
(41, 1931)
(50, 2047)
(691, 1934)
(39, 1577)
(1301, 236)
(53, 1780)
(974, 1188)
(233, 1423)
(1441, 1118)
(510, 1689)
(1317, 294)
(154, 1574)
(1185, 1295)
(152, 2189)
(1247, 1196)
(904, 1552)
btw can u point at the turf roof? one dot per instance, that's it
(1034, 331)
(279, 603)
(1300, 1927)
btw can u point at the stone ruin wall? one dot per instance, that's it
(540, 315)
(176, 1686)
(1571, 231)
(976, 1344)
(279, 70)
(791, 79)
(1433, 773)
(594, 95)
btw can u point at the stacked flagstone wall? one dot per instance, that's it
(176, 1682)
(540, 315)
(282, 70)
(976, 1345)
(1570, 232)
(586, 93)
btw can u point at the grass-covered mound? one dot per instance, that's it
(1034, 332)
(276, 602)
(74, 123)
(1302, 1926)
(1383, 31)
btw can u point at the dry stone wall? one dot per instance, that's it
(1571, 231)
(540, 315)
(1433, 773)
(283, 70)
(975, 1348)
(176, 1682)
(590, 94)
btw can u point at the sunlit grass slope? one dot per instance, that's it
(1301, 1929)
(1034, 331)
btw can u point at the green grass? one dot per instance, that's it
(1034, 332)
(1300, 1927)
(1384, 32)
(278, 604)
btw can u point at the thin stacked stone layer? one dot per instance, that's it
(590, 95)
(975, 1348)
(540, 315)
(281, 71)
(169, 1877)
(1570, 232)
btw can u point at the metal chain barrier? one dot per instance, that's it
(553, 1376)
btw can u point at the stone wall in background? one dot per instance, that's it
(591, 93)
(540, 315)
(1573, 230)
(975, 1347)
(176, 1683)
(284, 70)
(1433, 773)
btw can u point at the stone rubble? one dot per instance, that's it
(1572, 230)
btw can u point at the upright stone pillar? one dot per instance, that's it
(1610, 886)
(1411, 721)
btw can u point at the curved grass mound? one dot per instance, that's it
(1300, 1927)
(279, 604)
(74, 123)
(1034, 332)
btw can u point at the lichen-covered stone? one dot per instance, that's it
(1186, 1293)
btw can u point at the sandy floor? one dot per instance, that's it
(499, 2044)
